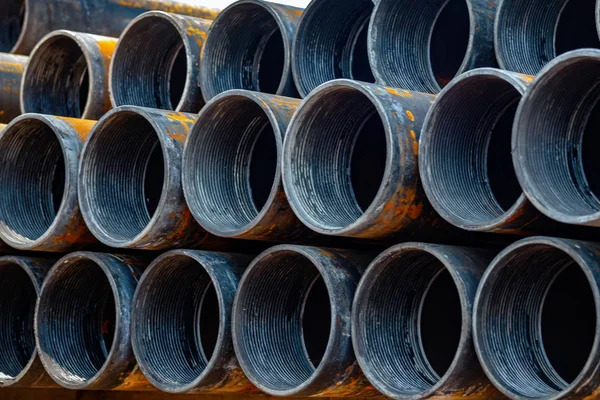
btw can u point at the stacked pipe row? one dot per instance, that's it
(186, 135)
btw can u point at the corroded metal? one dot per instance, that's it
(67, 75)
(39, 208)
(11, 73)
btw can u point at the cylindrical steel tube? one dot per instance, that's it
(67, 75)
(130, 180)
(250, 47)
(11, 74)
(291, 322)
(555, 139)
(82, 322)
(331, 43)
(530, 33)
(465, 155)
(39, 208)
(422, 45)
(350, 161)
(535, 326)
(411, 322)
(2, 126)
(24, 22)
(157, 63)
(181, 322)
(20, 282)
(232, 167)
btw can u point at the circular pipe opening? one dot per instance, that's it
(422, 49)
(555, 137)
(12, 18)
(56, 80)
(408, 322)
(331, 43)
(531, 33)
(465, 153)
(231, 162)
(32, 179)
(245, 50)
(282, 320)
(122, 176)
(535, 348)
(150, 66)
(76, 321)
(336, 155)
(18, 295)
(176, 323)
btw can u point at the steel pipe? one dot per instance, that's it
(24, 22)
(291, 322)
(82, 322)
(530, 33)
(181, 322)
(11, 73)
(411, 322)
(39, 207)
(232, 167)
(156, 63)
(535, 326)
(67, 75)
(130, 180)
(554, 139)
(350, 161)
(423, 45)
(250, 47)
(331, 43)
(20, 282)
(465, 155)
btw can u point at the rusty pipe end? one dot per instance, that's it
(11, 75)
(181, 323)
(38, 179)
(250, 27)
(156, 62)
(232, 163)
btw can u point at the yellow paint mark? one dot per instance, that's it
(525, 78)
(2, 126)
(171, 7)
(415, 143)
(396, 92)
(11, 67)
(410, 115)
(81, 126)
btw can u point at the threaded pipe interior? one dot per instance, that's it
(177, 322)
(76, 321)
(122, 175)
(535, 321)
(466, 151)
(422, 49)
(18, 296)
(12, 17)
(57, 79)
(336, 154)
(283, 320)
(150, 66)
(32, 179)
(231, 160)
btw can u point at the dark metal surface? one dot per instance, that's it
(39, 208)
(20, 282)
(554, 138)
(250, 47)
(331, 43)
(82, 322)
(67, 76)
(24, 22)
(530, 33)
(157, 62)
(11, 73)
(232, 167)
(389, 329)
(273, 348)
(422, 45)
(183, 299)
(130, 180)
(350, 161)
(508, 316)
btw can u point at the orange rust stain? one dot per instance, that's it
(76, 232)
(81, 126)
(11, 67)
(415, 143)
(410, 115)
(396, 92)
(525, 78)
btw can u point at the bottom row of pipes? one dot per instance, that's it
(417, 321)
